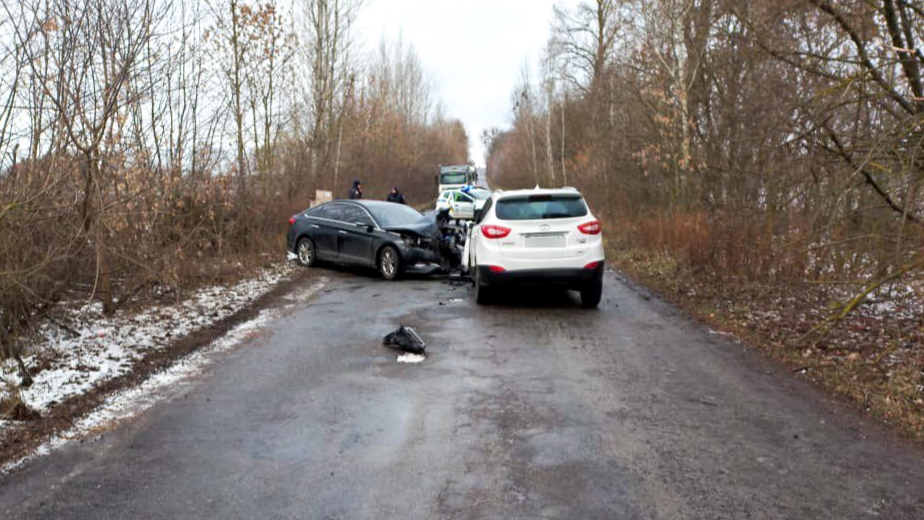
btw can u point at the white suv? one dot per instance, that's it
(536, 236)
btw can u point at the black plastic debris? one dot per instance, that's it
(406, 339)
(458, 281)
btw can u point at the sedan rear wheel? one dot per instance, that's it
(306, 252)
(389, 263)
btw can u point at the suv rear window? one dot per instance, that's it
(541, 207)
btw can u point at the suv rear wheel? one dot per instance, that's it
(591, 295)
(482, 293)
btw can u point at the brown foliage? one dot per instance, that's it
(762, 141)
(138, 162)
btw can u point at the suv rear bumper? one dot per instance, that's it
(570, 277)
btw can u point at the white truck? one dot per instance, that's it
(455, 177)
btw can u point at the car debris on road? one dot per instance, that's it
(406, 339)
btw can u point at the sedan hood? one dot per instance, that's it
(425, 228)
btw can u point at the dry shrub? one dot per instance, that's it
(685, 236)
(730, 247)
(12, 405)
(40, 240)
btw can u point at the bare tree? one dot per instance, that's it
(901, 94)
(587, 36)
(97, 53)
(327, 45)
(549, 88)
(238, 48)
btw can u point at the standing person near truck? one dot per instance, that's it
(356, 192)
(396, 196)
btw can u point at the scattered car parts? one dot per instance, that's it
(406, 339)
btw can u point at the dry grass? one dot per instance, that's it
(12, 405)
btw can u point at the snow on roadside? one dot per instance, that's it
(107, 347)
(897, 301)
(130, 402)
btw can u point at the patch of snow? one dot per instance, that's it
(411, 358)
(107, 347)
(898, 301)
(129, 403)
(883, 307)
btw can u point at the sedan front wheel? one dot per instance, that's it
(389, 263)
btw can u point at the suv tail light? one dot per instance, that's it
(591, 228)
(494, 232)
(291, 221)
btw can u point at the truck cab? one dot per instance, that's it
(455, 177)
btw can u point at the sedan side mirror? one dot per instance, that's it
(370, 228)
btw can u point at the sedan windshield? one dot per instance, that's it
(394, 215)
(480, 194)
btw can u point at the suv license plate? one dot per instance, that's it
(546, 240)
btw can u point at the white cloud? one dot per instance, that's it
(473, 49)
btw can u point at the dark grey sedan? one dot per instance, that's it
(389, 237)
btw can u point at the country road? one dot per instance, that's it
(531, 408)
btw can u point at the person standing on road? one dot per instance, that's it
(356, 192)
(396, 196)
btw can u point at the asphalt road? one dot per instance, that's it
(533, 408)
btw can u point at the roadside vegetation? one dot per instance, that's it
(148, 148)
(758, 162)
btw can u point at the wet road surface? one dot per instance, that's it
(531, 408)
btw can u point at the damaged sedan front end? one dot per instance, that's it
(431, 242)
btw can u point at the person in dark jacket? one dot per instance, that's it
(396, 196)
(356, 192)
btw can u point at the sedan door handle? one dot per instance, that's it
(342, 232)
(316, 226)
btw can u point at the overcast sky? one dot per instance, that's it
(473, 49)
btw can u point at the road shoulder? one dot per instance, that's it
(91, 412)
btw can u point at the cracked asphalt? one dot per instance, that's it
(531, 408)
